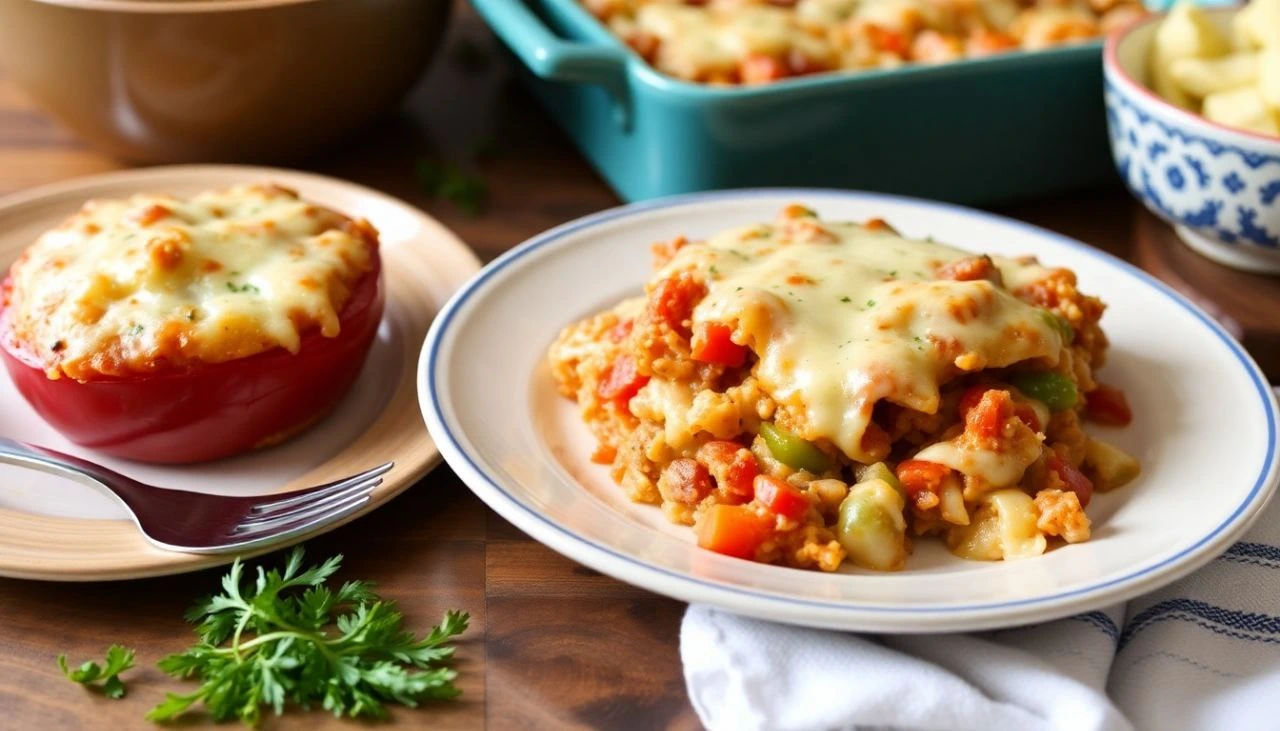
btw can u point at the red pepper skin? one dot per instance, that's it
(621, 381)
(210, 411)
(1108, 405)
(712, 344)
(780, 497)
(1072, 478)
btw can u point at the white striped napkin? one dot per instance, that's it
(1203, 653)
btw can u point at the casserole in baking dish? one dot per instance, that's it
(982, 130)
(760, 41)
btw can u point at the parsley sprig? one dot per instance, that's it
(119, 659)
(466, 190)
(267, 644)
(287, 638)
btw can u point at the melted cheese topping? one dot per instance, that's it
(842, 317)
(996, 469)
(697, 41)
(713, 40)
(1003, 527)
(154, 282)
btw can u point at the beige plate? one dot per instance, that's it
(55, 529)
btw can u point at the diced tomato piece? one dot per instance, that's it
(1108, 405)
(733, 530)
(971, 397)
(1025, 413)
(780, 498)
(621, 331)
(673, 299)
(711, 344)
(919, 476)
(876, 224)
(621, 381)
(761, 69)
(1073, 478)
(986, 419)
(886, 39)
(733, 465)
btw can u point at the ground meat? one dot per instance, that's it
(806, 546)
(1061, 515)
(1065, 434)
(1057, 292)
(685, 481)
(632, 468)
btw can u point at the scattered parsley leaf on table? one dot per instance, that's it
(119, 659)
(466, 191)
(286, 637)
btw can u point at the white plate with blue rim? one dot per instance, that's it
(1204, 428)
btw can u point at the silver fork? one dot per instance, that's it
(193, 522)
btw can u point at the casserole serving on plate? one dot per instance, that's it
(982, 130)
(811, 390)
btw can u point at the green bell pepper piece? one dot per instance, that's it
(1049, 388)
(793, 451)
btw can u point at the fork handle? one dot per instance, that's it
(53, 462)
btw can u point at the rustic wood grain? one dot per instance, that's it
(552, 644)
(1246, 304)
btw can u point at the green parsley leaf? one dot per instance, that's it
(119, 659)
(450, 182)
(286, 637)
(846, 298)
(871, 303)
(242, 287)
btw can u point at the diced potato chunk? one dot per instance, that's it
(1201, 77)
(1003, 527)
(871, 526)
(1186, 33)
(1242, 108)
(1269, 77)
(1257, 25)
(1189, 33)
(1109, 466)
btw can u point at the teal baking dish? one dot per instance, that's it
(979, 131)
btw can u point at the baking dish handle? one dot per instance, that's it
(551, 57)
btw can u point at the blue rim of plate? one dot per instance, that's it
(450, 445)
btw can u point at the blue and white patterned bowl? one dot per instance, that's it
(1219, 187)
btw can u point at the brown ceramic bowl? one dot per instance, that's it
(217, 80)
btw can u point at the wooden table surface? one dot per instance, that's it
(552, 644)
